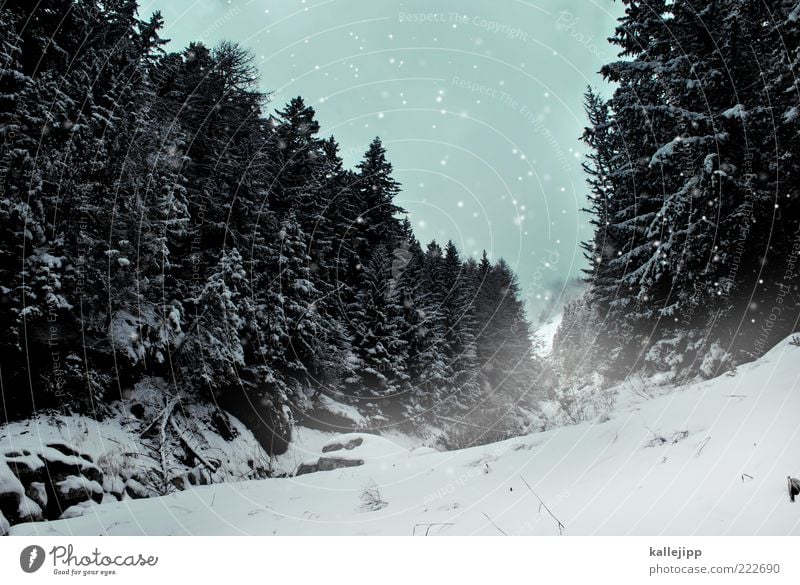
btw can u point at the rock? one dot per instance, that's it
(331, 463)
(60, 466)
(135, 490)
(78, 510)
(76, 489)
(349, 445)
(222, 425)
(28, 469)
(114, 485)
(11, 494)
(9, 503)
(17, 508)
(304, 468)
(37, 492)
(202, 476)
(92, 472)
(137, 410)
(29, 511)
(63, 448)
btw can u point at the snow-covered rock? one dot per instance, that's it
(50, 464)
(76, 489)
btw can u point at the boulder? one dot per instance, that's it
(9, 503)
(28, 511)
(331, 463)
(63, 448)
(135, 490)
(92, 472)
(27, 468)
(60, 465)
(76, 489)
(137, 410)
(11, 494)
(348, 445)
(16, 507)
(113, 484)
(78, 510)
(37, 492)
(309, 467)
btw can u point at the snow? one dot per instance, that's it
(79, 509)
(9, 484)
(706, 458)
(665, 152)
(305, 444)
(4, 525)
(547, 332)
(79, 483)
(28, 508)
(343, 410)
(736, 111)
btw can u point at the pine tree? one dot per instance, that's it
(377, 189)
(377, 328)
(214, 349)
(458, 343)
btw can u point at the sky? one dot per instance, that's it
(478, 103)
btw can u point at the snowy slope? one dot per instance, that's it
(546, 334)
(708, 458)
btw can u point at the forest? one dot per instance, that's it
(160, 221)
(694, 194)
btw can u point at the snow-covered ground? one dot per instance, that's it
(708, 458)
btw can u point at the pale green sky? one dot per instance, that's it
(477, 102)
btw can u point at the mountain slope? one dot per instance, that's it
(706, 458)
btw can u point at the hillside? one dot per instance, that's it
(706, 458)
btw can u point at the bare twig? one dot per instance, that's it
(561, 526)
(746, 475)
(503, 532)
(429, 525)
(702, 446)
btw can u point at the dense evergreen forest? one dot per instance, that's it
(694, 171)
(156, 221)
